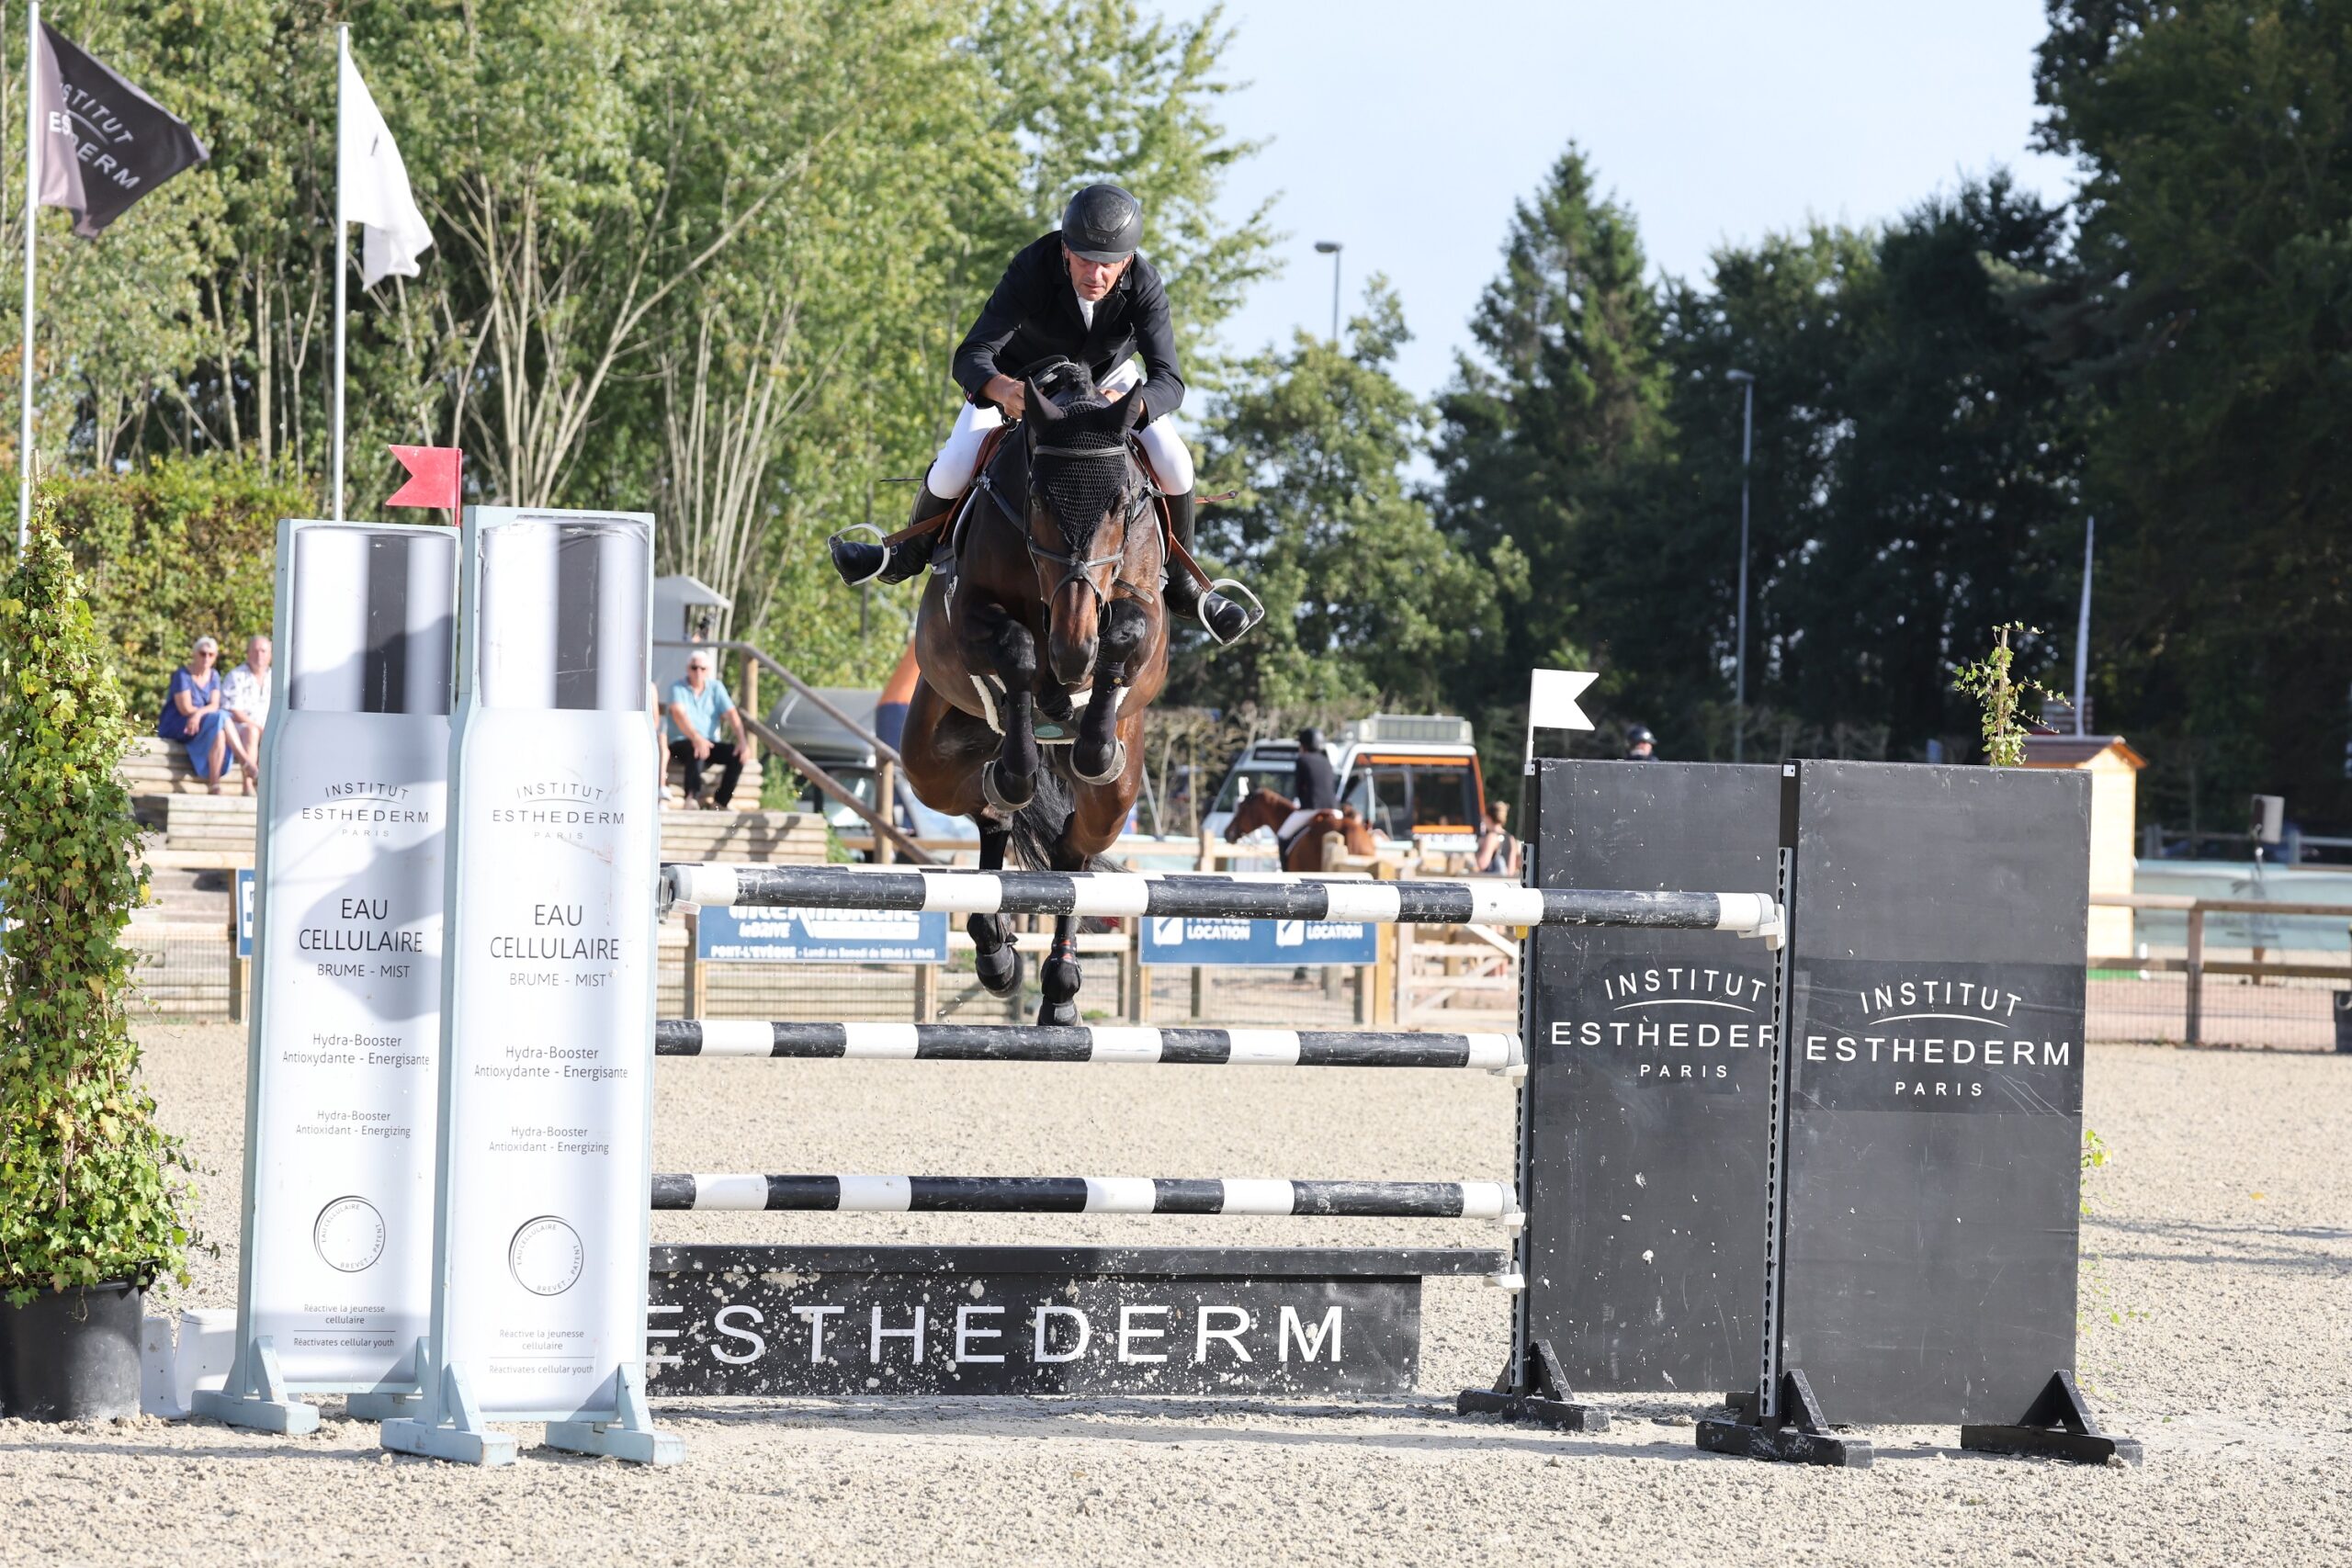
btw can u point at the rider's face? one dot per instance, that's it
(1092, 279)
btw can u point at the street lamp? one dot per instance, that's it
(1745, 381)
(1331, 248)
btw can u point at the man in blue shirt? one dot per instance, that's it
(697, 703)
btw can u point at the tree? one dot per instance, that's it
(2210, 313)
(1366, 601)
(90, 1186)
(1563, 403)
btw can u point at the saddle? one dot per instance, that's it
(1009, 491)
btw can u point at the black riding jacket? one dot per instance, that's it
(1033, 315)
(1313, 783)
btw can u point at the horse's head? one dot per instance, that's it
(1086, 499)
(1259, 808)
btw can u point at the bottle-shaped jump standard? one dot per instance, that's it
(548, 1020)
(342, 1092)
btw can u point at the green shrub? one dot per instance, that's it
(182, 547)
(90, 1187)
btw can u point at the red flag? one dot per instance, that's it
(432, 477)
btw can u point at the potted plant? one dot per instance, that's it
(90, 1187)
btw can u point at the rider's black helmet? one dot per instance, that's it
(1103, 223)
(1310, 740)
(1638, 736)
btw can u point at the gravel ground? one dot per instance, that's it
(2217, 1314)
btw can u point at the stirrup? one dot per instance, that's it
(880, 537)
(1200, 609)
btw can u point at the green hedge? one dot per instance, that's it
(182, 547)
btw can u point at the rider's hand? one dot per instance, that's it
(1007, 394)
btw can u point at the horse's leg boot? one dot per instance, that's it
(861, 560)
(1225, 620)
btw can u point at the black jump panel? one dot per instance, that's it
(811, 1321)
(1648, 1090)
(1934, 1092)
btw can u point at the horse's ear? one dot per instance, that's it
(1133, 409)
(1038, 406)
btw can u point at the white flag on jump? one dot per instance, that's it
(1551, 702)
(374, 188)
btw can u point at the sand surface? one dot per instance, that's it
(2217, 1311)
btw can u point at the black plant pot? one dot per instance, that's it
(72, 1355)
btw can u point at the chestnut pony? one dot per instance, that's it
(1264, 809)
(1050, 626)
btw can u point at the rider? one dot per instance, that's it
(1640, 746)
(1314, 786)
(1080, 293)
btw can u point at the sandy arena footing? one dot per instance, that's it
(2216, 1309)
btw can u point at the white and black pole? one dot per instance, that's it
(342, 265)
(32, 208)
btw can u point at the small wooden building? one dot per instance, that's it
(2115, 769)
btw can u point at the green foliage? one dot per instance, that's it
(2209, 319)
(181, 547)
(2000, 693)
(1367, 602)
(90, 1187)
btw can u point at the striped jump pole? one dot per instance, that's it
(1270, 897)
(1087, 1195)
(1498, 1052)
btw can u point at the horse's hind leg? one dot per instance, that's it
(994, 958)
(1058, 977)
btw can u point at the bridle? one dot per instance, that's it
(1074, 568)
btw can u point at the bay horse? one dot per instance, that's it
(1265, 808)
(1050, 626)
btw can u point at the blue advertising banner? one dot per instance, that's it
(820, 936)
(245, 913)
(1176, 939)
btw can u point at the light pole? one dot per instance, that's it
(1745, 381)
(1331, 248)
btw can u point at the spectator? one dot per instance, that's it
(245, 690)
(1496, 852)
(192, 714)
(696, 704)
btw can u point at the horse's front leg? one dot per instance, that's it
(1009, 650)
(1097, 756)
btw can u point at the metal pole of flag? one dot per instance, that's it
(341, 256)
(32, 197)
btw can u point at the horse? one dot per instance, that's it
(1264, 809)
(1052, 612)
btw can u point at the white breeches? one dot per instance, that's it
(1163, 445)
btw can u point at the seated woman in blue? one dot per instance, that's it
(192, 713)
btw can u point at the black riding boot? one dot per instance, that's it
(863, 561)
(1225, 620)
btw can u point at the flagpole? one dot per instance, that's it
(342, 253)
(32, 197)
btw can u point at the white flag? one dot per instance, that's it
(1551, 702)
(374, 185)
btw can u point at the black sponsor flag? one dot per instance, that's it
(104, 143)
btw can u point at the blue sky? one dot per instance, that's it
(1406, 130)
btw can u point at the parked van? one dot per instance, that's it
(1415, 778)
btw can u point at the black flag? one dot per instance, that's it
(103, 142)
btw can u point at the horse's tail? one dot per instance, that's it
(1038, 826)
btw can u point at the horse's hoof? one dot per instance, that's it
(1001, 799)
(1057, 1015)
(999, 972)
(1109, 775)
